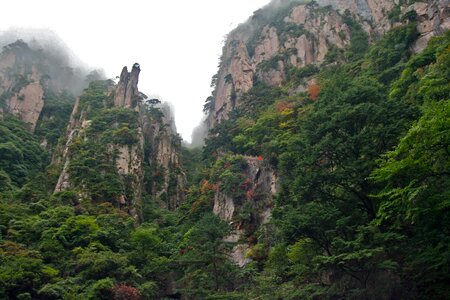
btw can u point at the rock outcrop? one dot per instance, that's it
(27, 104)
(263, 49)
(62, 154)
(154, 147)
(268, 46)
(127, 93)
(246, 216)
(26, 75)
(163, 156)
(20, 87)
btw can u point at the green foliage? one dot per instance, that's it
(386, 58)
(325, 153)
(394, 14)
(92, 164)
(92, 168)
(95, 95)
(228, 173)
(21, 156)
(416, 198)
(54, 117)
(21, 271)
(271, 64)
(115, 125)
(259, 97)
(222, 135)
(359, 42)
(297, 75)
(101, 289)
(203, 256)
(361, 212)
(423, 79)
(209, 104)
(192, 164)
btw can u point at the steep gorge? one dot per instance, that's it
(323, 176)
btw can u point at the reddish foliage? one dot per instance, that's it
(182, 251)
(227, 165)
(313, 91)
(250, 194)
(246, 184)
(125, 292)
(11, 248)
(260, 158)
(206, 187)
(283, 106)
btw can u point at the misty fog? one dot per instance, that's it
(55, 59)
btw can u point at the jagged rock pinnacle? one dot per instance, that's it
(127, 91)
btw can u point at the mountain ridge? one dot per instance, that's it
(323, 175)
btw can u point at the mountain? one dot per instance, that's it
(28, 75)
(293, 34)
(309, 97)
(324, 173)
(113, 132)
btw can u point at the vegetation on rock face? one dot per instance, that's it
(21, 156)
(353, 214)
(92, 166)
(361, 212)
(54, 117)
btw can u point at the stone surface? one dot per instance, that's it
(27, 104)
(165, 157)
(127, 90)
(262, 186)
(269, 46)
(158, 135)
(235, 78)
(323, 28)
(26, 74)
(273, 77)
(62, 154)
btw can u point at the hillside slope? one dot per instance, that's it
(324, 174)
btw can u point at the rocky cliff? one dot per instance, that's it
(295, 34)
(127, 93)
(137, 148)
(288, 39)
(243, 189)
(110, 124)
(28, 75)
(167, 181)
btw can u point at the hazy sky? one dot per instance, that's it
(177, 43)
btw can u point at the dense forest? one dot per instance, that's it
(361, 209)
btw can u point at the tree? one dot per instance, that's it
(416, 199)
(204, 254)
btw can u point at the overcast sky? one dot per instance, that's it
(177, 43)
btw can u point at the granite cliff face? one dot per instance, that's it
(289, 36)
(264, 48)
(27, 75)
(153, 147)
(163, 156)
(142, 149)
(127, 93)
(247, 214)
